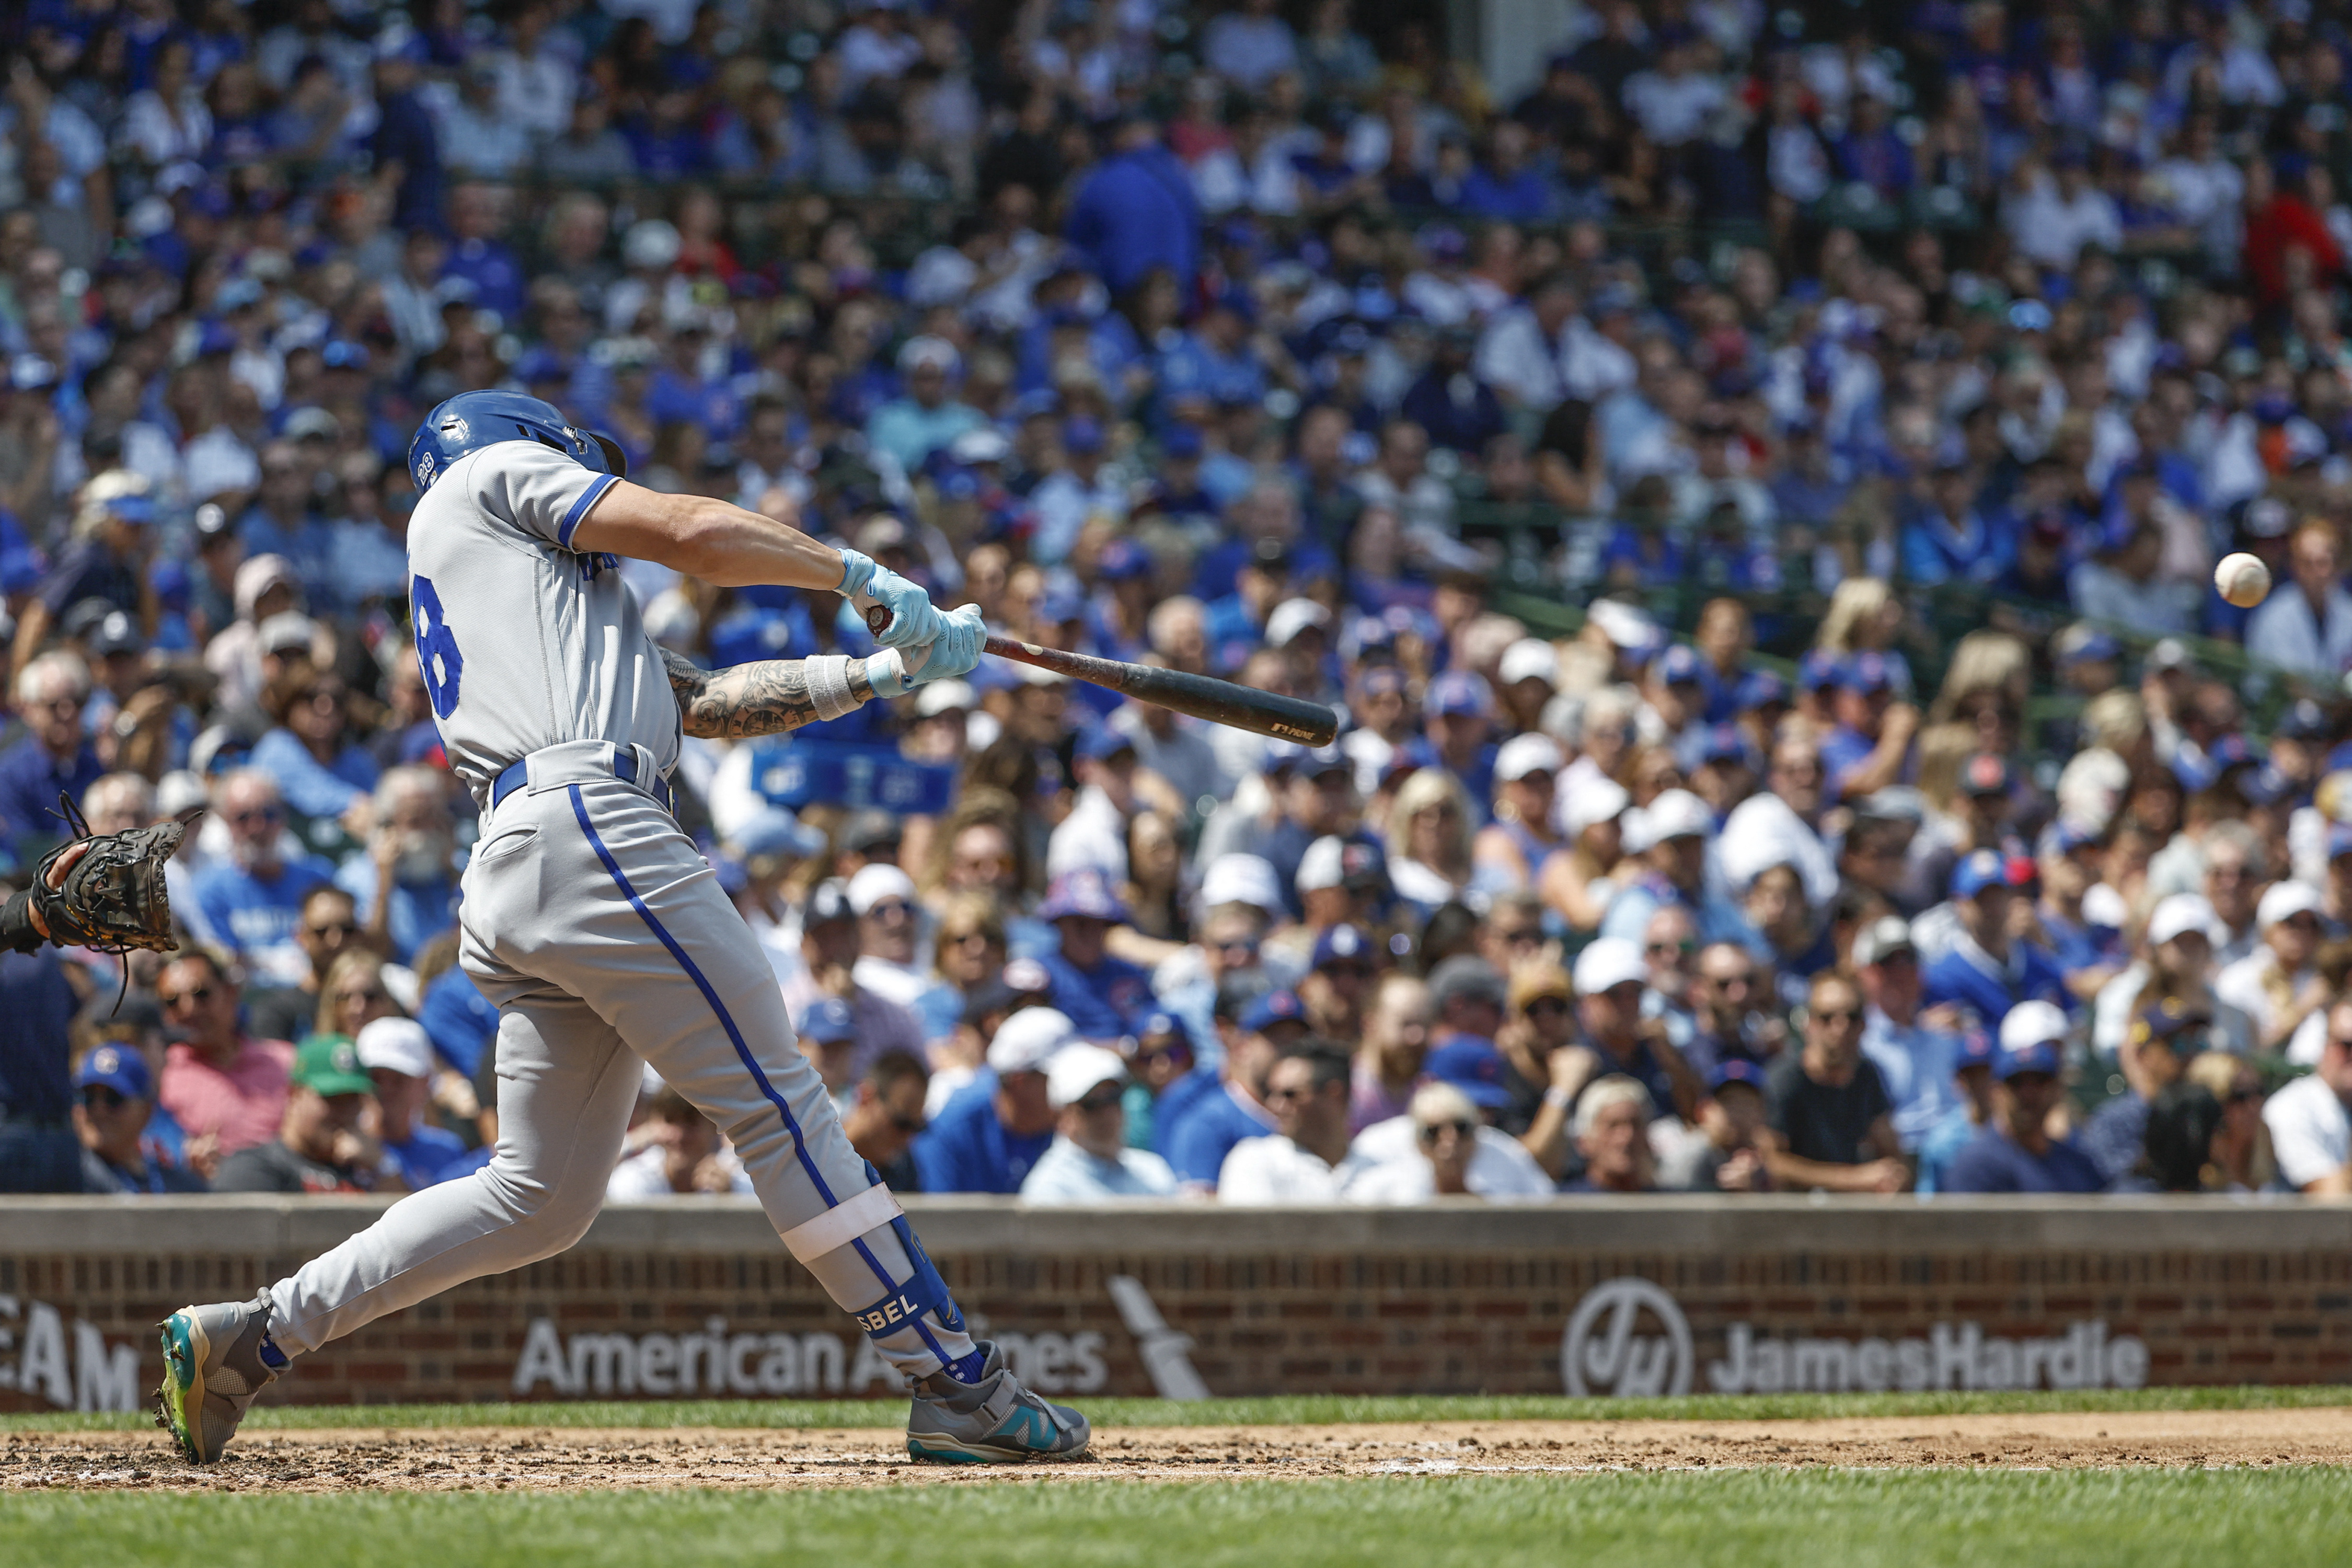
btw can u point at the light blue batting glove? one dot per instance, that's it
(914, 619)
(897, 671)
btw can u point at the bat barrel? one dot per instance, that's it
(1202, 697)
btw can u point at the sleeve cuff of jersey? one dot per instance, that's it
(588, 497)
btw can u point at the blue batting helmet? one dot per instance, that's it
(473, 420)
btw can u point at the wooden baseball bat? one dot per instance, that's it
(1218, 702)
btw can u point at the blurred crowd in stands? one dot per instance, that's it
(1750, 490)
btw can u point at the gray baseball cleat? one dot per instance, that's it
(213, 1368)
(994, 1421)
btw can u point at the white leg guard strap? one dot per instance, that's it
(843, 1224)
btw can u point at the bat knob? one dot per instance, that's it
(878, 619)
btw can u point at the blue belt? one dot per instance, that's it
(624, 768)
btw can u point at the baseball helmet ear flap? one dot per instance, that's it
(616, 462)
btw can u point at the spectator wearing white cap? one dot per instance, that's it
(1515, 846)
(910, 428)
(1590, 810)
(1301, 628)
(1526, 678)
(1668, 840)
(2175, 964)
(1089, 1160)
(993, 1133)
(2278, 986)
(890, 917)
(397, 1054)
(1611, 978)
(2310, 1120)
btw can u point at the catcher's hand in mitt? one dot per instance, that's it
(107, 890)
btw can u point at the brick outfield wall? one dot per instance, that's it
(1451, 1301)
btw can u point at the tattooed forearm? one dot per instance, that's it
(746, 699)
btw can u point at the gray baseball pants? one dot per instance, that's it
(596, 929)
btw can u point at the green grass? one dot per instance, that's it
(2278, 1519)
(1310, 1410)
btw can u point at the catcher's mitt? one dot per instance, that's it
(112, 898)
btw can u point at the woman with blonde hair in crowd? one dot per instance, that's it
(1429, 839)
(354, 995)
(1863, 616)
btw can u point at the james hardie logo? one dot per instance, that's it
(1629, 1337)
(1602, 1353)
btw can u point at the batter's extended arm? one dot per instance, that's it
(720, 543)
(766, 697)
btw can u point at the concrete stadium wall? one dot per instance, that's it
(697, 1297)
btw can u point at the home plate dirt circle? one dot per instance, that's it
(553, 1459)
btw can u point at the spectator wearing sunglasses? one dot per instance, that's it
(1090, 1160)
(885, 1116)
(114, 1100)
(2014, 1152)
(1161, 1060)
(1730, 1014)
(1306, 1159)
(225, 1089)
(328, 927)
(1833, 1126)
(1538, 1044)
(252, 898)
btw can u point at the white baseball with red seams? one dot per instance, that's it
(2243, 579)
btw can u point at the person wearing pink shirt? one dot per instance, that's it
(227, 1089)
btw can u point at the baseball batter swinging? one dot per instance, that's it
(594, 925)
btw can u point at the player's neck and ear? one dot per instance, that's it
(713, 540)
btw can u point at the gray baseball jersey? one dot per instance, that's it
(526, 643)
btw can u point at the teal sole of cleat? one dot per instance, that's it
(182, 1391)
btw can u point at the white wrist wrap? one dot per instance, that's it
(828, 679)
(886, 673)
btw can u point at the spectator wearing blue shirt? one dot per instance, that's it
(417, 839)
(996, 1129)
(2014, 1152)
(1915, 1060)
(115, 1105)
(480, 256)
(1507, 184)
(1105, 997)
(912, 428)
(283, 522)
(253, 898)
(1872, 746)
(52, 759)
(321, 770)
(103, 563)
(398, 1056)
(1949, 539)
(1986, 971)
(460, 1020)
(1200, 1135)
(1135, 210)
(405, 143)
(1666, 842)
(1448, 400)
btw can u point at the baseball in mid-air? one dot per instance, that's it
(2244, 580)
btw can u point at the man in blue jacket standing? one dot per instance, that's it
(1136, 211)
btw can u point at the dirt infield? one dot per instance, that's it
(548, 1460)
